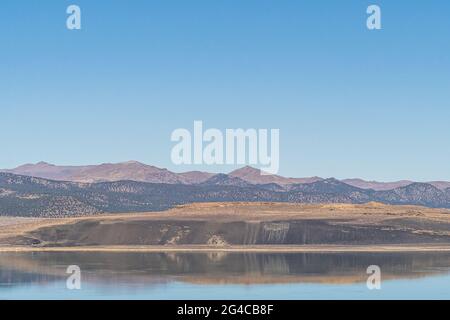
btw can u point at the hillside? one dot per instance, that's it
(36, 197)
(136, 171)
(241, 224)
(256, 176)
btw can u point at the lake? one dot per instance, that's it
(222, 275)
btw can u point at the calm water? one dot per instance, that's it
(224, 276)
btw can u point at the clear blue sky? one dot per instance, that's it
(349, 102)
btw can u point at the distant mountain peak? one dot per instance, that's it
(375, 185)
(222, 179)
(255, 176)
(132, 162)
(247, 170)
(43, 163)
(137, 171)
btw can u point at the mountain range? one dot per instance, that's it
(90, 192)
(136, 171)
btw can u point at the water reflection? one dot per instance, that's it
(217, 267)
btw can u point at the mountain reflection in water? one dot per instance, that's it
(42, 269)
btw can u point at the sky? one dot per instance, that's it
(349, 102)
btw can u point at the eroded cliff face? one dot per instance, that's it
(224, 233)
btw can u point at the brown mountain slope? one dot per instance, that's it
(383, 186)
(375, 185)
(47, 171)
(440, 184)
(255, 176)
(131, 170)
(136, 171)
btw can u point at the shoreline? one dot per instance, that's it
(240, 249)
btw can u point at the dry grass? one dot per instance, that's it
(370, 213)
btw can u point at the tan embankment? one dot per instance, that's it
(413, 228)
